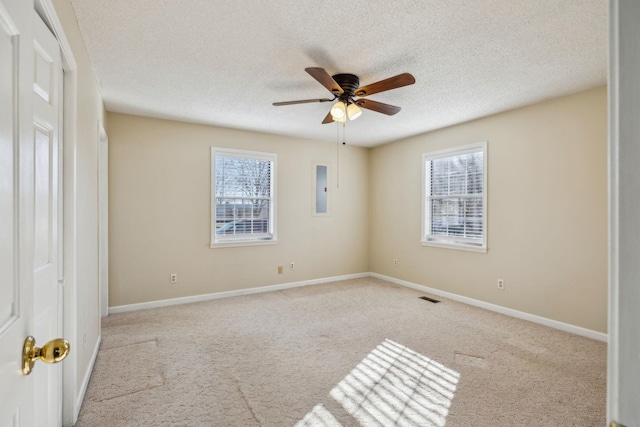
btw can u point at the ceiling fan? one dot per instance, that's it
(346, 88)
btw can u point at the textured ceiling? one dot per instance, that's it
(224, 62)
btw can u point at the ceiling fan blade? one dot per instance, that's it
(404, 79)
(325, 79)
(379, 107)
(328, 119)
(302, 101)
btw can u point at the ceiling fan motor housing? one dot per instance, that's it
(348, 82)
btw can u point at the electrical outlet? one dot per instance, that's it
(395, 262)
(292, 266)
(173, 278)
(501, 284)
(280, 269)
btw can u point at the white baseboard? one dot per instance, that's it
(87, 377)
(499, 309)
(599, 336)
(228, 294)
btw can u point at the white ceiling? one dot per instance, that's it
(224, 62)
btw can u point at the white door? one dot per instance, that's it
(16, 253)
(29, 289)
(47, 273)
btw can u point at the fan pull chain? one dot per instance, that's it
(344, 132)
(344, 136)
(338, 155)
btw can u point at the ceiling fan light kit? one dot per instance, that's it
(338, 112)
(345, 87)
(353, 111)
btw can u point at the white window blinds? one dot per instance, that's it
(455, 196)
(243, 195)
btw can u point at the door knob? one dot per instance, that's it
(52, 352)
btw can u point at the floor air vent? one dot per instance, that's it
(430, 299)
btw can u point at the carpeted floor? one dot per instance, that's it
(354, 353)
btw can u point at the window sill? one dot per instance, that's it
(457, 246)
(239, 243)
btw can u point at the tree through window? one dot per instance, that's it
(243, 196)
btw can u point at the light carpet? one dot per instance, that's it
(361, 352)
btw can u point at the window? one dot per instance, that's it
(455, 200)
(243, 197)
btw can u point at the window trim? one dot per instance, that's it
(244, 154)
(452, 243)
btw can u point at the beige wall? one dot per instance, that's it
(547, 211)
(159, 205)
(547, 207)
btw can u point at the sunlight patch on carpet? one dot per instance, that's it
(318, 417)
(392, 386)
(397, 386)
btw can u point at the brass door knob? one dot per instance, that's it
(52, 352)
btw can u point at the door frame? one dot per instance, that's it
(103, 219)
(624, 206)
(71, 397)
